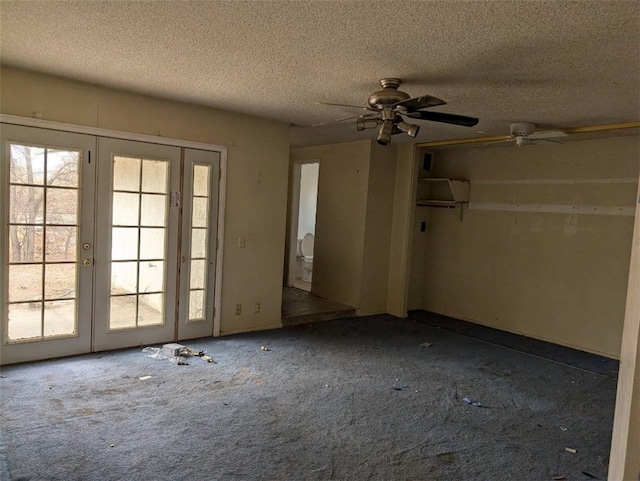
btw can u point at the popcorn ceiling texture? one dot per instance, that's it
(556, 63)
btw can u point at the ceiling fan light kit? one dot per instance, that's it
(391, 109)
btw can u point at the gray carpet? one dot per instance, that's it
(350, 399)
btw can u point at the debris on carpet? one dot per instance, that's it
(177, 354)
(477, 404)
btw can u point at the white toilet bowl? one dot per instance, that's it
(306, 246)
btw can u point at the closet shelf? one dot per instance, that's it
(445, 193)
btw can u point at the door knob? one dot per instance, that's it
(86, 262)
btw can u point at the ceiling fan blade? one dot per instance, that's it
(446, 118)
(348, 106)
(549, 134)
(319, 124)
(545, 142)
(418, 103)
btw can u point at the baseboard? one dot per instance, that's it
(252, 329)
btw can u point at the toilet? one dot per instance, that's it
(306, 248)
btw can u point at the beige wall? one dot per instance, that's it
(340, 218)
(556, 276)
(377, 237)
(624, 462)
(401, 231)
(256, 180)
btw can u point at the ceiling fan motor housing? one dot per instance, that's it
(522, 129)
(389, 94)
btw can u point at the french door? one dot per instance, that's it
(137, 226)
(198, 249)
(48, 186)
(107, 243)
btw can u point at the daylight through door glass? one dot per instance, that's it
(42, 239)
(138, 248)
(199, 253)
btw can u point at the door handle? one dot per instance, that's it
(86, 262)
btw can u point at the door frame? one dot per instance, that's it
(118, 134)
(294, 213)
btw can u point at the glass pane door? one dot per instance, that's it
(48, 181)
(137, 252)
(199, 231)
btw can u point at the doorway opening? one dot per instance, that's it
(303, 225)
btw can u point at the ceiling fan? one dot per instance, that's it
(393, 109)
(523, 133)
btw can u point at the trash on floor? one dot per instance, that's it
(177, 354)
(398, 386)
(185, 351)
(144, 378)
(559, 478)
(264, 348)
(154, 353)
(589, 475)
(425, 344)
(477, 404)
(111, 445)
(562, 429)
(173, 349)
(570, 450)
(179, 360)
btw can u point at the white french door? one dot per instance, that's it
(106, 243)
(199, 232)
(47, 184)
(136, 252)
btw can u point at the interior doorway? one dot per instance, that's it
(304, 202)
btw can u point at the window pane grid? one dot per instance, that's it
(199, 252)
(44, 194)
(133, 306)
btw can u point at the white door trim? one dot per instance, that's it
(100, 132)
(294, 208)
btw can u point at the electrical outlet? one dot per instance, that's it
(257, 309)
(241, 242)
(238, 309)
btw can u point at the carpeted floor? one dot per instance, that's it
(349, 399)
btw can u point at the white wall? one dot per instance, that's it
(258, 153)
(308, 199)
(561, 277)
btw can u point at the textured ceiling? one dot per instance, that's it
(555, 63)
